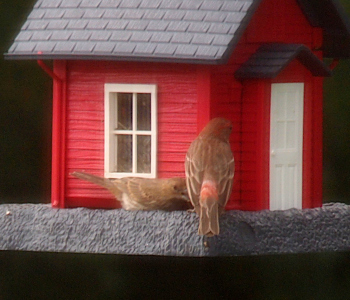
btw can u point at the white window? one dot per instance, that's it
(130, 130)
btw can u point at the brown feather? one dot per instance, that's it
(209, 158)
(135, 193)
(209, 218)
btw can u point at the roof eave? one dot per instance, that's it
(183, 60)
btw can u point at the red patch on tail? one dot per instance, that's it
(209, 190)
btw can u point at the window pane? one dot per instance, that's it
(143, 154)
(143, 111)
(124, 111)
(124, 153)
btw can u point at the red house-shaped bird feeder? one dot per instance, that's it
(134, 81)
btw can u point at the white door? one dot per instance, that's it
(286, 145)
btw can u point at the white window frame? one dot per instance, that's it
(110, 132)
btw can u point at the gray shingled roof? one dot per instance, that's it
(196, 30)
(270, 59)
(199, 31)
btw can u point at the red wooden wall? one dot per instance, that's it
(247, 103)
(177, 118)
(188, 96)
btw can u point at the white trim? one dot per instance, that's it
(110, 132)
(286, 145)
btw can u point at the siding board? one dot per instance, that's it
(177, 116)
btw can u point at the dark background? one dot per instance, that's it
(25, 127)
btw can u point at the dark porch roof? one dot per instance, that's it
(270, 59)
(192, 31)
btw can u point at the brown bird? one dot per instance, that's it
(135, 193)
(209, 169)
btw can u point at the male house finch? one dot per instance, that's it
(136, 193)
(209, 169)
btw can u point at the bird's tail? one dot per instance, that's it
(104, 182)
(209, 210)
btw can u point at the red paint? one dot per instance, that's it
(188, 97)
(48, 70)
(317, 144)
(203, 97)
(58, 136)
(92, 202)
(177, 119)
(255, 144)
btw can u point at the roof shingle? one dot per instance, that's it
(147, 29)
(199, 31)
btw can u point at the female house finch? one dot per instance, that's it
(209, 169)
(136, 193)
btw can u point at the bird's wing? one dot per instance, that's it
(132, 195)
(140, 188)
(194, 169)
(224, 168)
(226, 184)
